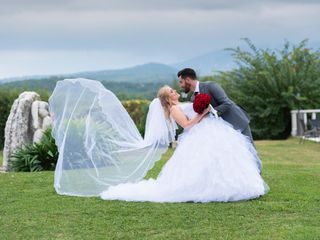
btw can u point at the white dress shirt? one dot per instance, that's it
(197, 88)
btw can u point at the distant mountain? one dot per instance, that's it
(207, 64)
(150, 72)
(23, 78)
(139, 82)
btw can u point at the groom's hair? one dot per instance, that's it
(187, 72)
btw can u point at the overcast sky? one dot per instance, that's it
(63, 36)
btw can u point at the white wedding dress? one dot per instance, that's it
(101, 152)
(213, 162)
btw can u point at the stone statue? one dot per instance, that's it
(28, 119)
(40, 118)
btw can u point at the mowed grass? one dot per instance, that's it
(30, 208)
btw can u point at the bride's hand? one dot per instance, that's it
(206, 111)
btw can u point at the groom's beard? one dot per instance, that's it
(187, 88)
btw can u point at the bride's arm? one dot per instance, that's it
(179, 116)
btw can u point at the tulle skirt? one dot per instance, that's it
(213, 162)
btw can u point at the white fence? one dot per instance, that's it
(299, 120)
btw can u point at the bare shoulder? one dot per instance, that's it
(174, 108)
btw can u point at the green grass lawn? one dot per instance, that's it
(30, 208)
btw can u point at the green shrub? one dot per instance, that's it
(138, 110)
(77, 142)
(36, 157)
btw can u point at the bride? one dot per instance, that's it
(101, 152)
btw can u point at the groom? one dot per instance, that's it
(225, 107)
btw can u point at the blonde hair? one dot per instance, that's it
(163, 95)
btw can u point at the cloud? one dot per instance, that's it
(115, 5)
(150, 30)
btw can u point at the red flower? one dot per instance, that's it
(201, 102)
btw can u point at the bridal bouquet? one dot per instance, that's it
(201, 102)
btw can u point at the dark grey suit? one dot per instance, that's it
(227, 109)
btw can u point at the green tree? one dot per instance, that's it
(270, 83)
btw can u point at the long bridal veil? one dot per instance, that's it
(98, 143)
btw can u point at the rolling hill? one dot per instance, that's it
(150, 72)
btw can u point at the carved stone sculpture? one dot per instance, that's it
(28, 119)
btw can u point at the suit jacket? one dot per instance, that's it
(226, 108)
